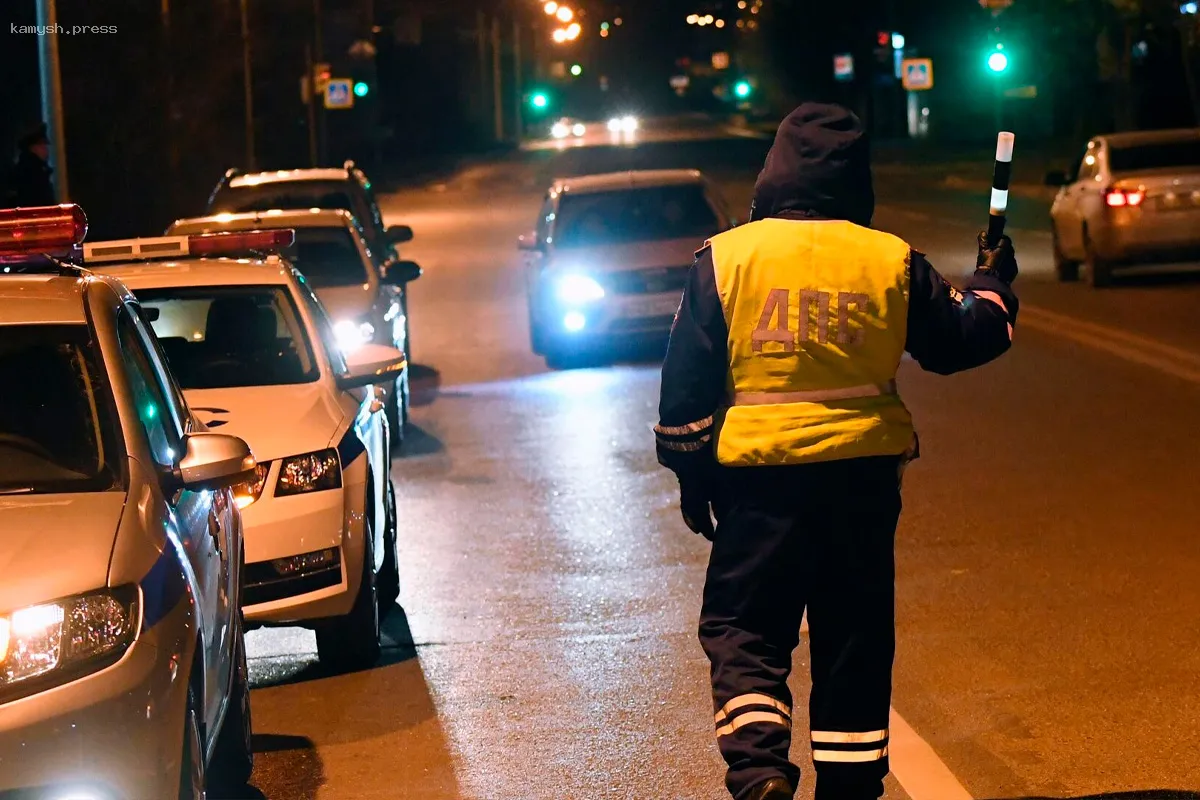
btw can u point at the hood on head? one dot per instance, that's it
(819, 167)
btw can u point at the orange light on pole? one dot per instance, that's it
(559, 35)
(550, 8)
(573, 31)
(565, 14)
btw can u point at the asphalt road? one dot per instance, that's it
(1048, 560)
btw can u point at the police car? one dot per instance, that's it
(250, 344)
(365, 292)
(609, 256)
(122, 658)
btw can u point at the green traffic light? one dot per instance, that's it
(997, 62)
(576, 70)
(539, 100)
(361, 89)
(742, 89)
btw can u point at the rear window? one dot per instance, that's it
(1160, 155)
(226, 336)
(285, 195)
(635, 215)
(57, 425)
(327, 257)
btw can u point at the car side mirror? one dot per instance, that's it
(399, 234)
(1057, 178)
(528, 242)
(398, 273)
(214, 461)
(371, 364)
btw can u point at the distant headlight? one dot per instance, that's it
(579, 129)
(575, 289)
(311, 472)
(352, 334)
(626, 124)
(560, 130)
(57, 642)
(614, 125)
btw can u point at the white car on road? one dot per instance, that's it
(610, 254)
(122, 657)
(1133, 199)
(257, 357)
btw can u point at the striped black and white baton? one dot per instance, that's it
(1000, 180)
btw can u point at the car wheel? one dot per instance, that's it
(352, 642)
(1066, 269)
(1099, 269)
(233, 758)
(389, 575)
(192, 779)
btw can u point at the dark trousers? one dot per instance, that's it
(821, 537)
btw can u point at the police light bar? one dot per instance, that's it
(41, 229)
(173, 247)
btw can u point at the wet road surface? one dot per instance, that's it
(1048, 558)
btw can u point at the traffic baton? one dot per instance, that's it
(1000, 180)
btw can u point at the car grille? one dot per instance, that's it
(264, 585)
(647, 281)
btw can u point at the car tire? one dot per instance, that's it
(1066, 269)
(389, 574)
(233, 756)
(192, 777)
(1099, 270)
(353, 642)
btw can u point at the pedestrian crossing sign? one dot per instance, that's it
(338, 93)
(917, 74)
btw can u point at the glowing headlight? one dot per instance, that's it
(626, 124)
(560, 130)
(67, 637)
(579, 129)
(575, 289)
(311, 472)
(352, 335)
(614, 125)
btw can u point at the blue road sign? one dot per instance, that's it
(339, 94)
(917, 74)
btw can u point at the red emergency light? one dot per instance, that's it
(41, 229)
(1116, 198)
(218, 244)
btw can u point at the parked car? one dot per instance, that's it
(122, 655)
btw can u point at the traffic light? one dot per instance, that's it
(576, 70)
(997, 61)
(742, 89)
(361, 89)
(539, 100)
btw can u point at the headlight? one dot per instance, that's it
(311, 472)
(614, 125)
(352, 335)
(560, 130)
(579, 129)
(53, 643)
(246, 493)
(629, 124)
(575, 289)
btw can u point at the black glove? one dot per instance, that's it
(694, 503)
(1001, 259)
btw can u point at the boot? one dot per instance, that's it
(773, 789)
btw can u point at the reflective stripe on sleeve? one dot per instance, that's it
(741, 701)
(751, 717)
(838, 737)
(814, 396)
(683, 430)
(685, 447)
(849, 756)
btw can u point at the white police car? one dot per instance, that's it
(256, 356)
(122, 658)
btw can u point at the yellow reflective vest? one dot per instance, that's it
(817, 313)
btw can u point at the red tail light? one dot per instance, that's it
(1117, 198)
(216, 244)
(42, 229)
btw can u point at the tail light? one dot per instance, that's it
(41, 229)
(1119, 198)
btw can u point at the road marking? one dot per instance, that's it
(1129, 346)
(917, 767)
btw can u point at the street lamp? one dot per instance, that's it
(559, 35)
(565, 14)
(550, 8)
(573, 31)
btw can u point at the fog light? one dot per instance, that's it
(306, 562)
(574, 321)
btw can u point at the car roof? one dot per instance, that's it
(289, 175)
(49, 299)
(633, 179)
(275, 218)
(1135, 138)
(184, 272)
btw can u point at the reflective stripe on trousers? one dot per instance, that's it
(849, 747)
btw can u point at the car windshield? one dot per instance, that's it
(1183, 153)
(282, 194)
(635, 215)
(227, 336)
(57, 428)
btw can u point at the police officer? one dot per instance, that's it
(29, 179)
(779, 412)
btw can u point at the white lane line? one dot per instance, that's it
(917, 767)
(1129, 346)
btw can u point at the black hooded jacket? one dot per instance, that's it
(29, 182)
(819, 169)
